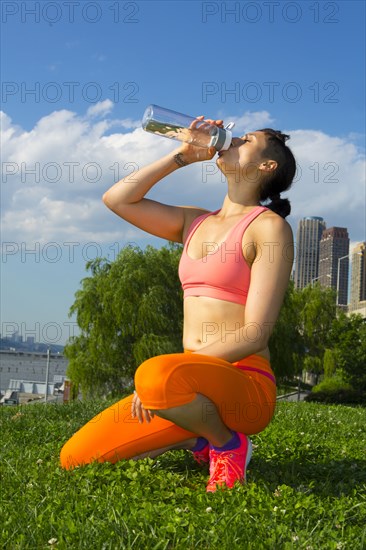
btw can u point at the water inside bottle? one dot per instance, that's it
(195, 136)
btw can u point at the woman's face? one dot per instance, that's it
(245, 155)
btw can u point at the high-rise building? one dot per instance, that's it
(308, 236)
(358, 279)
(334, 261)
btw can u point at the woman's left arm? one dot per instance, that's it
(270, 275)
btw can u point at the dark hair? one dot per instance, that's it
(281, 179)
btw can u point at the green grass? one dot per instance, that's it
(305, 489)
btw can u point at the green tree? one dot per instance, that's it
(286, 343)
(348, 336)
(317, 311)
(315, 307)
(127, 310)
(301, 333)
(329, 363)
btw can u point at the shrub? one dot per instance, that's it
(338, 396)
(332, 384)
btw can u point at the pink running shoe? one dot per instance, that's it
(227, 467)
(202, 457)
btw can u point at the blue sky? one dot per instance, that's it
(95, 66)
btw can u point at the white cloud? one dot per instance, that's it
(101, 108)
(126, 123)
(331, 180)
(76, 158)
(250, 121)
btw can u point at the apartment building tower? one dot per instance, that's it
(308, 237)
(334, 261)
(358, 279)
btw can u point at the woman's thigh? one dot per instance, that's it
(244, 403)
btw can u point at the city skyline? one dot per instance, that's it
(327, 256)
(17, 343)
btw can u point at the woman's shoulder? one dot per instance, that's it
(192, 217)
(270, 225)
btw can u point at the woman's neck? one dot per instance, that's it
(235, 208)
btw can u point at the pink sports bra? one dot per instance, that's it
(222, 272)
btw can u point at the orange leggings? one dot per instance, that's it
(243, 392)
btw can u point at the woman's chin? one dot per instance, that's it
(222, 165)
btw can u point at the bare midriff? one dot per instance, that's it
(208, 320)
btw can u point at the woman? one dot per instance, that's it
(234, 270)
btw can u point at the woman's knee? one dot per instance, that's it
(151, 372)
(69, 457)
(154, 374)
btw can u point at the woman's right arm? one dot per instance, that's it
(127, 199)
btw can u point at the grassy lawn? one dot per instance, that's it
(306, 488)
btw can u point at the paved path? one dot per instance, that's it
(293, 396)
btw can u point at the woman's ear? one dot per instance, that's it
(268, 166)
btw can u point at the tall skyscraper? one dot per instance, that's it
(308, 236)
(334, 261)
(358, 279)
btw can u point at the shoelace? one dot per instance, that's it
(225, 469)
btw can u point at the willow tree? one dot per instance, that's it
(127, 311)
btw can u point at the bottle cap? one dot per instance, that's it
(229, 126)
(224, 139)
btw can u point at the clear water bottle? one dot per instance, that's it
(170, 124)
